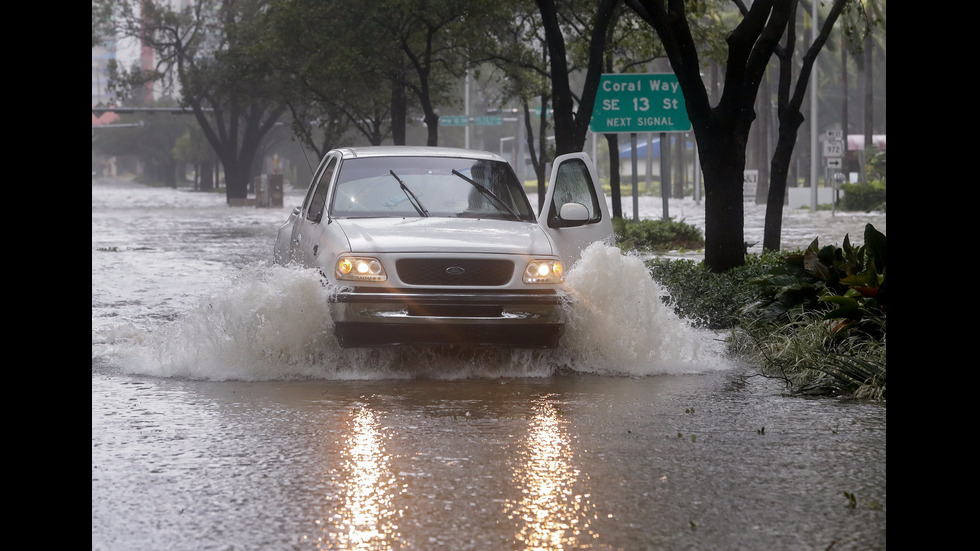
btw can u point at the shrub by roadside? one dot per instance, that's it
(863, 198)
(815, 318)
(657, 235)
(870, 196)
(709, 299)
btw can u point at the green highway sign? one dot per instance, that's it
(463, 120)
(492, 120)
(454, 120)
(639, 102)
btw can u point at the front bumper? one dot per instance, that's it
(366, 317)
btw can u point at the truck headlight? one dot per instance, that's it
(360, 268)
(544, 271)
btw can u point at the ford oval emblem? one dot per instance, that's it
(455, 270)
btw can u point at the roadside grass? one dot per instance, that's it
(812, 359)
(813, 318)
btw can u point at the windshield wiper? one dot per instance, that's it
(411, 196)
(488, 193)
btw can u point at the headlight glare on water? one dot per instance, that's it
(544, 271)
(357, 268)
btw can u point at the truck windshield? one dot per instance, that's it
(446, 186)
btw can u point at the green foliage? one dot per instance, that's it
(812, 359)
(845, 283)
(710, 299)
(656, 235)
(815, 318)
(192, 147)
(870, 196)
(863, 198)
(149, 139)
(863, 376)
(875, 166)
(820, 319)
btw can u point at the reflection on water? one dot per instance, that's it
(549, 515)
(367, 519)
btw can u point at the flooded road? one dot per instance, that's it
(223, 418)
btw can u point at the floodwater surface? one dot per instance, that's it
(225, 417)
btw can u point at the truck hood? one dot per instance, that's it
(401, 235)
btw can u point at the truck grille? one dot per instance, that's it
(448, 271)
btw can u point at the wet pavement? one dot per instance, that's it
(224, 418)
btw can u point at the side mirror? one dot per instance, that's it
(572, 215)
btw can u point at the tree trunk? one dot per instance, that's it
(537, 162)
(237, 177)
(781, 158)
(238, 141)
(571, 130)
(207, 175)
(724, 210)
(715, 86)
(790, 120)
(561, 92)
(544, 157)
(721, 131)
(763, 126)
(432, 128)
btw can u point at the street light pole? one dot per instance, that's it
(813, 123)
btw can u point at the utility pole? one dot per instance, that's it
(813, 122)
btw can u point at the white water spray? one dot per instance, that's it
(619, 323)
(272, 323)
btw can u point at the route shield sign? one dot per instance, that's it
(639, 102)
(833, 148)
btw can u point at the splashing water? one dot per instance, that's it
(272, 323)
(268, 324)
(619, 322)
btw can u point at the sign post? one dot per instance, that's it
(833, 150)
(750, 183)
(640, 102)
